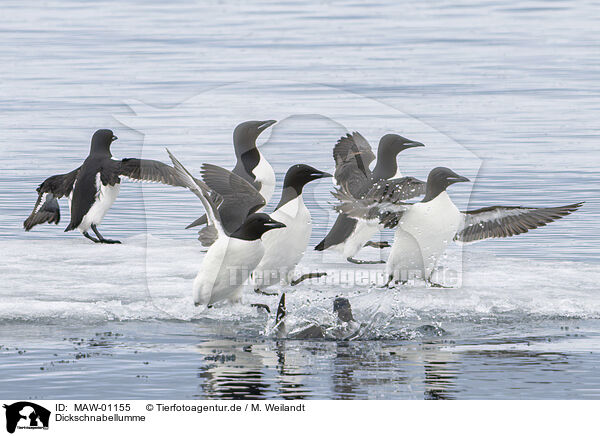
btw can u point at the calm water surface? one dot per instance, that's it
(506, 94)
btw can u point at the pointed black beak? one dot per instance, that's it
(265, 125)
(412, 144)
(320, 175)
(114, 138)
(458, 179)
(273, 225)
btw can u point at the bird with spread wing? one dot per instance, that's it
(424, 229)
(93, 187)
(353, 155)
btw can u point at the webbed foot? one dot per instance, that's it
(364, 262)
(303, 277)
(379, 244)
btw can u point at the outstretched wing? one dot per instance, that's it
(201, 190)
(240, 198)
(46, 208)
(388, 213)
(145, 170)
(385, 201)
(198, 222)
(397, 190)
(339, 232)
(48, 212)
(505, 221)
(353, 155)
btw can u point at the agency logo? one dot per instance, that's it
(26, 415)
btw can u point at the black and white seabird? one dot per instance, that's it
(424, 229)
(93, 187)
(353, 155)
(234, 255)
(284, 247)
(251, 165)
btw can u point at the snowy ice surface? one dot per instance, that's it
(148, 278)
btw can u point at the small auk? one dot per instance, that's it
(93, 187)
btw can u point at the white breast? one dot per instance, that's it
(423, 234)
(284, 247)
(105, 197)
(264, 174)
(363, 232)
(225, 268)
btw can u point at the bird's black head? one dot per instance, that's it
(255, 225)
(392, 144)
(101, 141)
(246, 133)
(300, 174)
(296, 177)
(341, 306)
(389, 147)
(439, 179)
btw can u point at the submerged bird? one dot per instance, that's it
(344, 328)
(93, 187)
(234, 255)
(424, 229)
(251, 165)
(353, 155)
(284, 247)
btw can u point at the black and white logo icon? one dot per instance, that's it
(26, 415)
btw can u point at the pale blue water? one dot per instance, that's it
(506, 94)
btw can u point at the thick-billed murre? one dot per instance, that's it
(353, 155)
(284, 247)
(233, 256)
(251, 165)
(424, 229)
